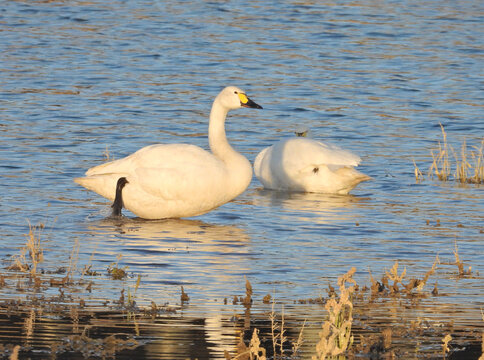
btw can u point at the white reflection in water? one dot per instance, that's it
(190, 250)
(182, 229)
(313, 207)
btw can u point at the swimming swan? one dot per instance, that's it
(306, 165)
(179, 180)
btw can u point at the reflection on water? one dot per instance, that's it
(153, 232)
(86, 80)
(312, 207)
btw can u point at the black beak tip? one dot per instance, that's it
(252, 105)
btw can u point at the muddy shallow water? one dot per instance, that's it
(82, 81)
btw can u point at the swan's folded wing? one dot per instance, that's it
(158, 155)
(182, 183)
(338, 156)
(302, 152)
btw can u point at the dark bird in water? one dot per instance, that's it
(118, 200)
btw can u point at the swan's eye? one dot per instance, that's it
(315, 170)
(235, 92)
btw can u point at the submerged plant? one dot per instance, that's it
(115, 271)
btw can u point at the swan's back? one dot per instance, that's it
(155, 156)
(299, 151)
(302, 164)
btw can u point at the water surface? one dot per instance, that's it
(82, 80)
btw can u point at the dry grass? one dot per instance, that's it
(336, 334)
(252, 352)
(15, 351)
(107, 155)
(460, 264)
(470, 172)
(482, 341)
(73, 259)
(116, 272)
(441, 166)
(247, 301)
(184, 296)
(468, 168)
(445, 346)
(33, 248)
(335, 337)
(346, 301)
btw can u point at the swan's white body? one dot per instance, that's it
(306, 165)
(179, 180)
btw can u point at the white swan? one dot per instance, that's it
(179, 180)
(306, 165)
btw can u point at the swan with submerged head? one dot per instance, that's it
(179, 180)
(306, 165)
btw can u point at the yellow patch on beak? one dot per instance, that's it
(243, 98)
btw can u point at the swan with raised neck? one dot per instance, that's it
(180, 180)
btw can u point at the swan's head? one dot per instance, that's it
(233, 98)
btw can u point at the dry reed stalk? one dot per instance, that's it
(427, 275)
(14, 354)
(256, 351)
(274, 327)
(247, 301)
(253, 352)
(278, 339)
(463, 166)
(460, 263)
(482, 344)
(73, 259)
(393, 274)
(183, 297)
(87, 268)
(34, 248)
(282, 336)
(465, 171)
(29, 324)
(478, 177)
(418, 174)
(445, 345)
(300, 340)
(106, 154)
(335, 337)
(441, 165)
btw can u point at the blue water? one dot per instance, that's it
(79, 80)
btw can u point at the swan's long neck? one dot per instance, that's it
(239, 170)
(216, 134)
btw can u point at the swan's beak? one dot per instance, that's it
(246, 102)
